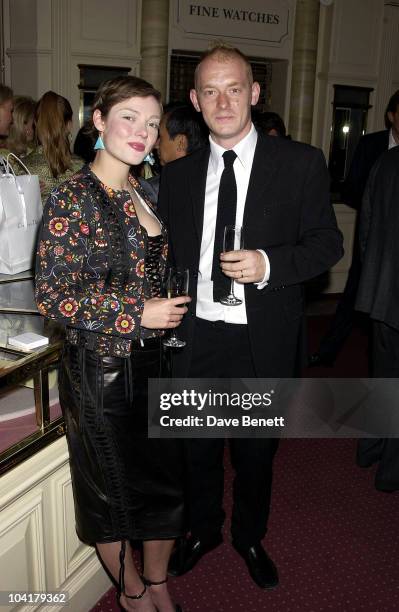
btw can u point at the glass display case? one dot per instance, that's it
(30, 415)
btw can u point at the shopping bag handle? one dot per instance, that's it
(9, 172)
(9, 167)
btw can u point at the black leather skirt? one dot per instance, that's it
(125, 485)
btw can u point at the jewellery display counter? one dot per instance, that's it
(28, 419)
(39, 548)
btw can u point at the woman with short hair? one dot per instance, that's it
(101, 258)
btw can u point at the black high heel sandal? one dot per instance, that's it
(136, 597)
(121, 589)
(148, 583)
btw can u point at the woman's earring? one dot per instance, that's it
(149, 159)
(99, 146)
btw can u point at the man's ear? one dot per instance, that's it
(98, 120)
(194, 100)
(390, 117)
(181, 143)
(255, 93)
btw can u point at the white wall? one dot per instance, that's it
(47, 39)
(267, 41)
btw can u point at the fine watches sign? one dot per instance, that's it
(259, 20)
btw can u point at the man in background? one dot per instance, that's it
(181, 132)
(378, 297)
(368, 150)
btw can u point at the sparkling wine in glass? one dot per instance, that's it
(232, 241)
(176, 284)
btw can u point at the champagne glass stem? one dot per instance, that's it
(232, 287)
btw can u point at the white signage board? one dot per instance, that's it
(257, 20)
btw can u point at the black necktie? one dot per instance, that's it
(226, 215)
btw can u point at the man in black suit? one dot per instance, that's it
(378, 296)
(280, 193)
(368, 150)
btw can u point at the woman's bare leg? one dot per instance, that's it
(156, 559)
(110, 555)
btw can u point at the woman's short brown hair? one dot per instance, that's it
(122, 88)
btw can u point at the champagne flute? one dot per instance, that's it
(233, 240)
(176, 284)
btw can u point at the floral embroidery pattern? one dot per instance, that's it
(140, 268)
(58, 226)
(91, 259)
(68, 307)
(129, 209)
(124, 324)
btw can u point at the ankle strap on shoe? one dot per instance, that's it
(152, 582)
(139, 596)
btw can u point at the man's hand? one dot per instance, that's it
(244, 266)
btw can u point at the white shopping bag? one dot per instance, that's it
(20, 216)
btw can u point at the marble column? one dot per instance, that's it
(154, 43)
(304, 69)
(387, 66)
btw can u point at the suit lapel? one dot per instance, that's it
(264, 166)
(197, 182)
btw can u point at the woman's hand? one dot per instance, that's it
(163, 313)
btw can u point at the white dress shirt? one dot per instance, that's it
(206, 307)
(391, 142)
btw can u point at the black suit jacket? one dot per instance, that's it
(288, 214)
(151, 188)
(378, 293)
(368, 150)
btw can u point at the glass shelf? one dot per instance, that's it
(30, 415)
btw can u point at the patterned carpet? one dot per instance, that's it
(333, 537)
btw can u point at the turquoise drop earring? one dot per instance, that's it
(99, 146)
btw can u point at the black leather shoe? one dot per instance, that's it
(319, 360)
(261, 568)
(189, 551)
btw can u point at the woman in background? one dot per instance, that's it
(101, 258)
(52, 160)
(6, 109)
(22, 133)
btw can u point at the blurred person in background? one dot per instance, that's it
(378, 297)
(22, 132)
(368, 151)
(181, 132)
(269, 123)
(84, 144)
(6, 110)
(52, 160)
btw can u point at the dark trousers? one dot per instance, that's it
(345, 316)
(384, 364)
(222, 350)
